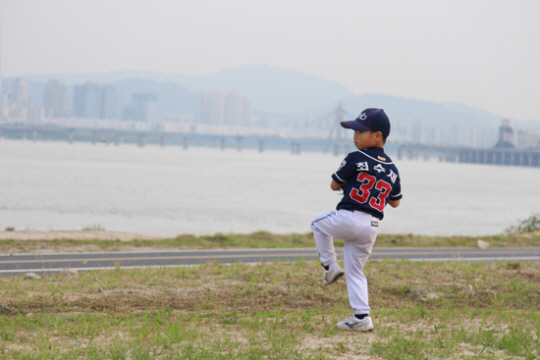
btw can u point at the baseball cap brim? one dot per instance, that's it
(355, 125)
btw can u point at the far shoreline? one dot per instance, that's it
(80, 235)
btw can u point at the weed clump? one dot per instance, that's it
(529, 225)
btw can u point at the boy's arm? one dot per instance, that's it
(394, 203)
(335, 185)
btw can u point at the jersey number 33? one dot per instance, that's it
(363, 193)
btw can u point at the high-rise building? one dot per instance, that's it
(418, 131)
(215, 108)
(528, 139)
(3, 106)
(79, 100)
(19, 94)
(34, 114)
(209, 108)
(142, 108)
(87, 100)
(94, 101)
(201, 117)
(55, 99)
(237, 110)
(109, 102)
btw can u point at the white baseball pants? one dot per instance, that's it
(359, 230)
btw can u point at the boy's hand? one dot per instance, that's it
(334, 185)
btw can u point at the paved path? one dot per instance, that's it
(43, 263)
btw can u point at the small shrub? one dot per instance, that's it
(513, 265)
(531, 224)
(10, 228)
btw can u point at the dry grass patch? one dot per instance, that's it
(274, 310)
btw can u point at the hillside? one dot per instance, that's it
(270, 89)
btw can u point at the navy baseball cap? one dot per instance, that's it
(370, 119)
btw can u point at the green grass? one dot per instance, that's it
(274, 311)
(259, 239)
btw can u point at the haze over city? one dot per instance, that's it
(482, 53)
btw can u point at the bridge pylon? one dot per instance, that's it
(336, 131)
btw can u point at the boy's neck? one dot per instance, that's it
(379, 144)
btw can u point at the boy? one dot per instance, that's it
(369, 180)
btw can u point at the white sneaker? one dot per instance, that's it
(333, 273)
(354, 324)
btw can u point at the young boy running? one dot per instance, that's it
(369, 180)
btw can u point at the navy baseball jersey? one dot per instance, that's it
(370, 178)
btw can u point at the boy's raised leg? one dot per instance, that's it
(322, 228)
(323, 240)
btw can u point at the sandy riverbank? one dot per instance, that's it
(78, 235)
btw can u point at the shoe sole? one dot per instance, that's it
(335, 279)
(349, 329)
(361, 330)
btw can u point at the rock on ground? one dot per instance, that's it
(482, 244)
(31, 275)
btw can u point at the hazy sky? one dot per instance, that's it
(481, 53)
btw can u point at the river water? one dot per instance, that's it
(170, 190)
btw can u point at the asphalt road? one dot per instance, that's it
(51, 263)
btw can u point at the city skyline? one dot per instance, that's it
(92, 100)
(96, 106)
(481, 54)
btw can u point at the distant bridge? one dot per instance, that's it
(494, 156)
(338, 145)
(163, 138)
